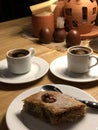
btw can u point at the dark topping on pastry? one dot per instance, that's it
(48, 98)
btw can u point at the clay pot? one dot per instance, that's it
(80, 15)
(45, 19)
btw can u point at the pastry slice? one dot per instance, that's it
(54, 107)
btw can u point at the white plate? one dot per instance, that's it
(59, 68)
(39, 68)
(18, 121)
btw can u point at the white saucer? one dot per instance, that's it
(39, 68)
(23, 121)
(59, 68)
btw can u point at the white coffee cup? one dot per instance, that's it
(79, 59)
(20, 60)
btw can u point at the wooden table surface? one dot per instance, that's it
(11, 36)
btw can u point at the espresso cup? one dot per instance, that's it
(79, 59)
(19, 60)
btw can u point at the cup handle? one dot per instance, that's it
(32, 50)
(95, 62)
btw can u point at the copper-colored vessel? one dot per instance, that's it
(42, 20)
(80, 15)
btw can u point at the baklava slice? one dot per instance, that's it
(54, 107)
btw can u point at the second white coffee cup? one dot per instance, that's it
(20, 60)
(79, 59)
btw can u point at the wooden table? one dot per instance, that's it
(11, 36)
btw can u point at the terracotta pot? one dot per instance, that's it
(80, 15)
(42, 20)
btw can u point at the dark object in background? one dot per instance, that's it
(59, 35)
(12, 9)
(73, 38)
(45, 35)
(94, 44)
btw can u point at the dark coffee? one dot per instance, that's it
(19, 53)
(79, 51)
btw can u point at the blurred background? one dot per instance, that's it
(12, 9)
